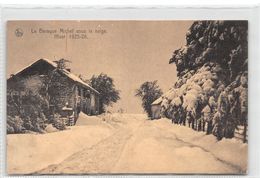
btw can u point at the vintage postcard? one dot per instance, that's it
(127, 97)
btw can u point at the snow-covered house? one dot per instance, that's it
(62, 87)
(156, 108)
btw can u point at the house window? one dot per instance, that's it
(86, 94)
(78, 88)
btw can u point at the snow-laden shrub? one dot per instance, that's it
(59, 122)
(14, 125)
(9, 129)
(26, 102)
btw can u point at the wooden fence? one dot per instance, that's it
(239, 133)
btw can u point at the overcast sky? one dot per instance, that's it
(131, 52)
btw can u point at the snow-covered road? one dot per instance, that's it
(145, 146)
(138, 145)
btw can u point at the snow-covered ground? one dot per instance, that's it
(231, 151)
(27, 153)
(124, 143)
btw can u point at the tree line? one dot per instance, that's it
(212, 69)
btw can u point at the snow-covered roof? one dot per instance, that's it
(77, 79)
(65, 72)
(158, 101)
(46, 60)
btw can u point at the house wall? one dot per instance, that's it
(97, 99)
(95, 104)
(61, 91)
(87, 100)
(79, 98)
(156, 111)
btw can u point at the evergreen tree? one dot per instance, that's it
(106, 87)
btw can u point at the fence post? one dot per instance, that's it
(245, 132)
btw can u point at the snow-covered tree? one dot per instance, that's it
(106, 87)
(212, 74)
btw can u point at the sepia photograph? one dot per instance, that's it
(127, 97)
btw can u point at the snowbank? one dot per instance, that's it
(50, 129)
(27, 153)
(229, 151)
(85, 119)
